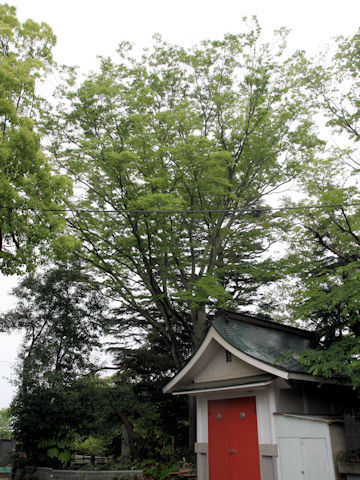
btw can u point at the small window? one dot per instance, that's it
(228, 356)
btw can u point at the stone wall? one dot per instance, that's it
(50, 474)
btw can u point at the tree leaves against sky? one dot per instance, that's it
(215, 127)
(27, 183)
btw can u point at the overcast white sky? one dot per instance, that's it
(87, 28)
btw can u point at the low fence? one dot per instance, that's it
(50, 474)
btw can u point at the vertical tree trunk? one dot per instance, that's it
(130, 434)
(198, 317)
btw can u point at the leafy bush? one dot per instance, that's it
(154, 470)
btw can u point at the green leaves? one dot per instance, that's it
(6, 430)
(204, 291)
(62, 315)
(28, 187)
(340, 359)
(89, 446)
(59, 449)
(208, 131)
(324, 232)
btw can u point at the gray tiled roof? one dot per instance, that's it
(263, 339)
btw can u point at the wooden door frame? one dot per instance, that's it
(265, 408)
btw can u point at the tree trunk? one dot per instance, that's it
(130, 434)
(199, 325)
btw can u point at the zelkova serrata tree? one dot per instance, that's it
(176, 154)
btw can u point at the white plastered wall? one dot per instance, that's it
(219, 369)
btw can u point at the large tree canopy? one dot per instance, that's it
(209, 132)
(28, 189)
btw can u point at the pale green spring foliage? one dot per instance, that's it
(27, 184)
(214, 127)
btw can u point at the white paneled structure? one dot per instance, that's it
(305, 450)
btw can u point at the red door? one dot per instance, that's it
(233, 440)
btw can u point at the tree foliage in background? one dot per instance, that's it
(151, 429)
(326, 241)
(60, 407)
(6, 431)
(337, 86)
(211, 131)
(95, 416)
(62, 315)
(27, 184)
(47, 417)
